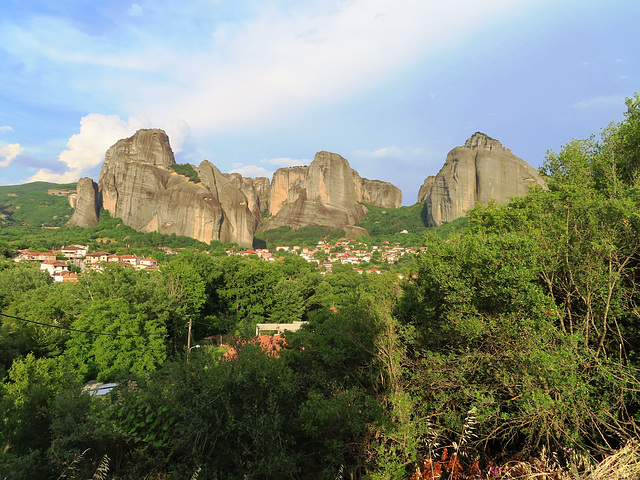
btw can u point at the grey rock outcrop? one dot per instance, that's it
(138, 185)
(481, 170)
(87, 204)
(327, 193)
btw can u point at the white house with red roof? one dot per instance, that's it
(54, 266)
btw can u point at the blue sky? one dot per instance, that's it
(391, 85)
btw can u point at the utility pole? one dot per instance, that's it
(189, 341)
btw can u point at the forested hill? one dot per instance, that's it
(36, 204)
(509, 351)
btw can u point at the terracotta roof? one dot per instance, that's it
(270, 344)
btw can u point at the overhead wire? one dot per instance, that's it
(61, 327)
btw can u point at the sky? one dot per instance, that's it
(255, 85)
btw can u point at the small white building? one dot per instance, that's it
(54, 266)
(75, 251)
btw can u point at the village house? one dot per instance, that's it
(65, 277)
(74, 251)
(129, 259)
(96, 257)
(54, 266)
(148, 262)
(113, 258)
(27, 256)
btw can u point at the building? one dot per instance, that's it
(54, 266)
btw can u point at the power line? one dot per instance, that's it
(127, 335)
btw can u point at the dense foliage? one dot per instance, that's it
(301, 236)
(515, 336)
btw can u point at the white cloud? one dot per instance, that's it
(135, 10)
(601, 102)
(178, 131)
(98, 132)
(286, 162)
(86, 149)
(281, 62)
(384, 152)
(9, 152)
(393, 152)
(251, 171)
(280, 57)
(6, 128)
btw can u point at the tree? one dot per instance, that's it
(20, 278)
(113, 339)
(31, 385)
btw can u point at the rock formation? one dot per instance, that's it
(327, 193)
(257, 191)
(286, 187)
(87, 204)
(240, 223)
(137, 184)
(479, 171)
(377, 193)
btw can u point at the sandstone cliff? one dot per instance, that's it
(286, 187)
(479, 171)
(87, 204)
(327, 193)
(377, 193)
(257, 191)
(240, 223)
(137, 184)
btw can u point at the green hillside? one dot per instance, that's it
(36, 204)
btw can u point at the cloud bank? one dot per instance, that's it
(9, 152)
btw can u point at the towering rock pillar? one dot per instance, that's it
(138, 185)
(87, 204)
(479, 171)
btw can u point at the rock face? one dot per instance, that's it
(286, 187)
(257, 191)
(327, 193)
(137, 184)
(239, 223)
(377, 193)
(87, 204)
(479, 171)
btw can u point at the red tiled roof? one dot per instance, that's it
(270, 344)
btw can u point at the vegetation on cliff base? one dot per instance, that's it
(187, 170)
(306, 236)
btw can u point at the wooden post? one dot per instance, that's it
(189, 341)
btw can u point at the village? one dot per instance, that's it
(65, 264)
